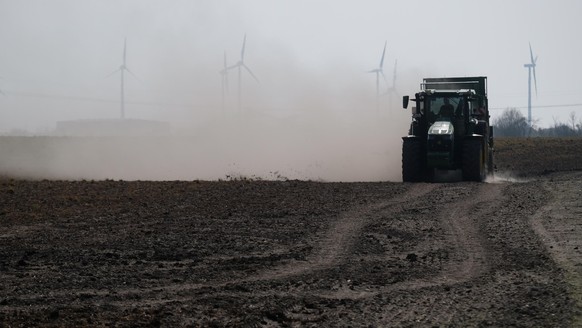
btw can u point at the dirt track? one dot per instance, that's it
(293, 253)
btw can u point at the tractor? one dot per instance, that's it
(450, 130)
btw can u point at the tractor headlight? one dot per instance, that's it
(441, 136)
(441, 127)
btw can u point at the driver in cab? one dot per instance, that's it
(447, 110)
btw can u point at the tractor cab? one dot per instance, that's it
(459, 107)
(444, 107)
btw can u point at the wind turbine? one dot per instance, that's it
(123, 68)
(530, 67)
(379, 71)
(392, 90)
(224, 75)
(240, 65)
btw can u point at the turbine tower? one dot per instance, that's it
(379, 71)
(224, 76)
(122, 69)
(239, 66)
(531, 67)
(392, 90)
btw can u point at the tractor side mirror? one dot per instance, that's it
(405, 100)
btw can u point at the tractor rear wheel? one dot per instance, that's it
(413, 164)
(474, 167)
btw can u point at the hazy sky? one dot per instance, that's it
(56, 55)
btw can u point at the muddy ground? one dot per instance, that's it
(300, 253)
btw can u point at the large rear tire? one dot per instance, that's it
(413, 164)
(474, 167)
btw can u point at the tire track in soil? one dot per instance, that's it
(459, 219)
(335, 245)
(330, 249)
(558, 225)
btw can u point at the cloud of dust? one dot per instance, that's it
(318, 125)
(505, 177)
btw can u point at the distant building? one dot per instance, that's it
(112, 128)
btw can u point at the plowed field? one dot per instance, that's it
(300, 253)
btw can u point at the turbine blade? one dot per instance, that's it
(110, 74)
(124, 50)
(233, 66)
(533, 67)
(130, 72)
(251, 72)
(383, 53)
(242, 52)
(383, 76)
(225, 60)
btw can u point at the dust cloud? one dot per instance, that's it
(505, 177)
(297, 128)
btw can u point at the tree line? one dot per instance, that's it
(512, 123)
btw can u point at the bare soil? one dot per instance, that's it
(300, 253)
(537, 156)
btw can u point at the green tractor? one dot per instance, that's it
(450, 130)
